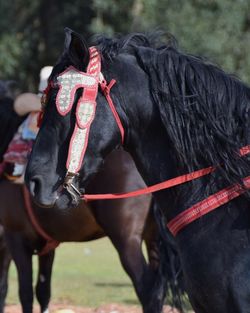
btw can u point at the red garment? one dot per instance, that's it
(18, 150)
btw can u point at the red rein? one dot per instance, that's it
(160, 186)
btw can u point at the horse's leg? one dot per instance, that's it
(164, 263)
(134, 263)
(158, 285)
(126, 236)
(5, 259)
(43, 286)
(127, 239)
(22, 256)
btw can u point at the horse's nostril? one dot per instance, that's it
(32, 188)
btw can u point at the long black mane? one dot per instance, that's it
(204, 110)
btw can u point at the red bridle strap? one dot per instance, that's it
(43, 103)
(106, 91)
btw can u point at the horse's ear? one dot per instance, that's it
(76, 48)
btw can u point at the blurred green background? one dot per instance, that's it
(31, 31)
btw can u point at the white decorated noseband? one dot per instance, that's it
(69, 81)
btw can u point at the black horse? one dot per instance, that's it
(179, 113)
(134, 223)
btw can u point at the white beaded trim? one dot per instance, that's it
(76, 152)
(85, 113)
(69, 81)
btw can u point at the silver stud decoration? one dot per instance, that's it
(78, 147)
(85, 113)
(69, 81)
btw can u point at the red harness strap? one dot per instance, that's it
(207, 205)
(50, 242)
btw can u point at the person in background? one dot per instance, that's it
(16, 156)
(30, 102)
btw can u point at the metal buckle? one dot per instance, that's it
(68, 185)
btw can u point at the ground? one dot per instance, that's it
(107, 308)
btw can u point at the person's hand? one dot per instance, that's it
(26, 103)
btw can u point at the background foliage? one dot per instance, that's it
(31, 31)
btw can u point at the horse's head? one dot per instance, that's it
(78, 128)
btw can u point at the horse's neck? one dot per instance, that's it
(156, 160)
(153, 158)
(147, 140)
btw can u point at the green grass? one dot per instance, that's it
(87, 274)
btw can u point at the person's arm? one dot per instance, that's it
(27, 102)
